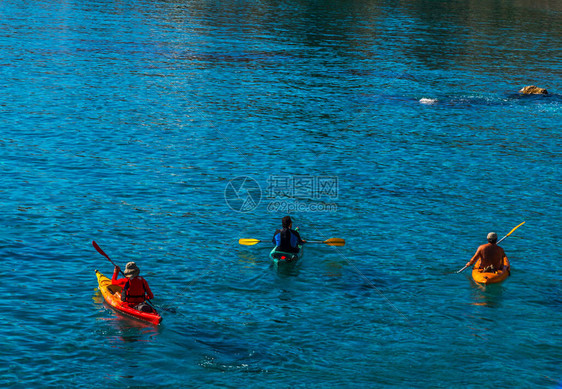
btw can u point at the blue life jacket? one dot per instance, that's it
(286, 241)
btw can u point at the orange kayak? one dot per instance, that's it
(489, 277)
(112, 295)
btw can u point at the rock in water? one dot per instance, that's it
(533, 90)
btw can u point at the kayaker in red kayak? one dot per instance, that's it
(490, 254)
(135, 288)
(287, 239)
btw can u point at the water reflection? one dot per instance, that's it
(248, 259)
(128, 330)
(333, 268)
(434, 34)
(123, 328)
(486, 295)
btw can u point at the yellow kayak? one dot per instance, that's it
(483, 277)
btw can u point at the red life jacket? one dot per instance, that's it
(134, 290)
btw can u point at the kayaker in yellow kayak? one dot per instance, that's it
(135, 288)
(490, 254)
(287, 239)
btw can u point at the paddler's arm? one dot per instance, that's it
(274, 240)
(505, 260)
(147, 290)
(115, 281)
(115, 274)
(299, 239)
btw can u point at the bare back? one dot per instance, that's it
(490, 254)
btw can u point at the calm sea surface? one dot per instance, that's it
(167, 130)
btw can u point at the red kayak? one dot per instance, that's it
(112, 295)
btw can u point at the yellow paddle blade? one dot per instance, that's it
(519, 225)
(248, 242)
(510, 232)
(335, 242)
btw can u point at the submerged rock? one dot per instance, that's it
(533, 90)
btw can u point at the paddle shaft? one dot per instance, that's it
(510, 232)
(329, 242)
(99, 250)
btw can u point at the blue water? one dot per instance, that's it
(394, 125)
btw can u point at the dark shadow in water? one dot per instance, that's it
(441, 32)
(499, 100)
(287, 269)
(551, 97)
(432, 100)
(217, 350)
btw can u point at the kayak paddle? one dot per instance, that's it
(249, 242)
(99, 250)
(519, 225)
(329, 242)
(510, 232)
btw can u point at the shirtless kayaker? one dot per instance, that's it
(490, 254)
